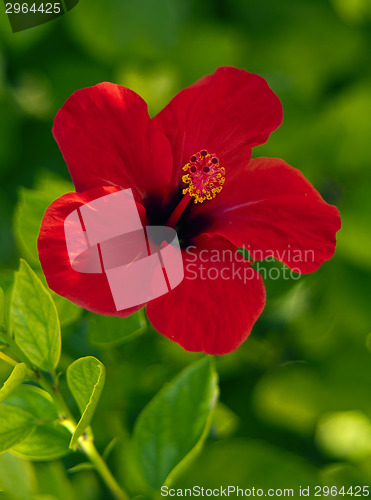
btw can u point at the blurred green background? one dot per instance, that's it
(296, 397)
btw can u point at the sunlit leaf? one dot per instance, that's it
(85, 378)
(34, 320)
(49, 442)
(175, 421)
(18, 375)
(68, 312)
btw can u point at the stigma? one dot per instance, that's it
(205, 177)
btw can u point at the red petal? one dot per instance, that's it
(215, 314)
(225, 113)
(107, 138)
(87, 290)
(274, 211)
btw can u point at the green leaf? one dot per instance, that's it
(33, 400)
(32, 204)
(175, 421)
(224, 422)
(2, 309)
(68, 312)
(112, 329)
(6, 281)
(85, 378)
(30, 210)
(34, 320)
(251, 463)
(50, 439)
(15, 425)
(81, 467)
(27, 221)
(18, 375)
(109, 448)
(49, 442)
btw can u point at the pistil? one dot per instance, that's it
(205, 179)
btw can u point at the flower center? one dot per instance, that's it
(205, 177)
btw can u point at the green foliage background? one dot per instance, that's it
(295, 404)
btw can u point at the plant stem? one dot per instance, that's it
(62, 408)
(8, 360)
(5, 337)
(85, 441)
(67, 420)
(91, 452)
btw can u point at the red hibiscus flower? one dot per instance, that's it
(190, 168)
